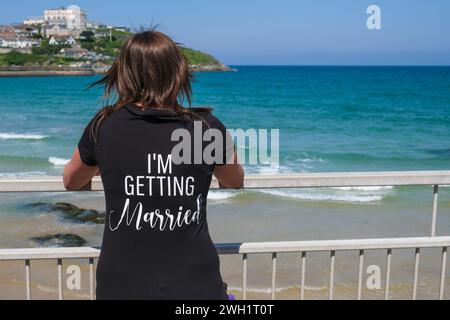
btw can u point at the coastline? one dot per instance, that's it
(49, 71)
(45, 73)
(212, 68)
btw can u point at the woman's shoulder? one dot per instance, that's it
(101, 119)
(207, 114)
(108, 114)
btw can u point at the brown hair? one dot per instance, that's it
(151, 70)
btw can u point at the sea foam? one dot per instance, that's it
(381, 188)
(58, 161)
(17, 136)
(328, 194)
(221, 195)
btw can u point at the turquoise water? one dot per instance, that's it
(341, 119)
(330, 118)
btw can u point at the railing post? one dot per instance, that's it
(360, 274)
(332, 259)
(302, 281)
(91, 279)
(443, 272)
(274, 274)
(28, 278)
(244, 276)
(434, 214)
(416, 273)
(60, 280)
(388, 274)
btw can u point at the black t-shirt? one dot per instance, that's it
(156, 243)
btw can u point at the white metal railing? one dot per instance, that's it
(246, 249)
(299, 180)
(432, 178)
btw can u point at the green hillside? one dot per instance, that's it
(196, 57)
(48, 55)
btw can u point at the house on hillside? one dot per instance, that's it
(27, 31)
(122, 29)
(101, 34)
(59, 30)
(75, 53)
(18, 42)
(92, 25)
(8, 42)
(7, 32)
(62, 40)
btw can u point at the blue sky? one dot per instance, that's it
(302, 32)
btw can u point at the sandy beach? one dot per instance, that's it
(267, 219)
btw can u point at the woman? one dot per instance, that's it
(156, 243)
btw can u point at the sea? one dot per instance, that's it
(330, 119)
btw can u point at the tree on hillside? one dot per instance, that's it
(87, 36)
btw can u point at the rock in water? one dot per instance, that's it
(59, 240)
(71, 212)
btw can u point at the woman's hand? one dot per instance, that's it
(77, 174)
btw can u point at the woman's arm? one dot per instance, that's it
(230, 176)
(77, 174)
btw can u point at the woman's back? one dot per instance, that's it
(156, 239)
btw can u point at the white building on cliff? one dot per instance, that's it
(73, 17)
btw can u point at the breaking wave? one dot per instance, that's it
(18, 136)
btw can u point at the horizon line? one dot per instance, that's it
(338, 65)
